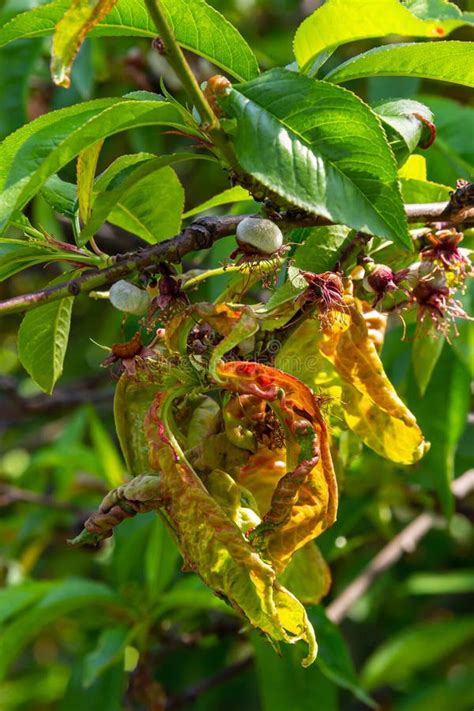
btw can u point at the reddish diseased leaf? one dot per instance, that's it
(214, 546)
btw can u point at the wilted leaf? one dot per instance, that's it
(70, 33)
(342, 361)
(213, 544)
(307, 575)
(86, 166)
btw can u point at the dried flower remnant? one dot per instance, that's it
(381, 280)
(445, 252)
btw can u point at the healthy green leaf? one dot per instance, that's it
(449, 582)
(340, 21)
(427, 346)
(109, 650)
(113, 468)
(18, 254)
(64, 598)
(161, 559)
(452, 154)
(16, 64)
(449, 13)
(400, 656)
(445, 61)
(60, 195)
(42, 341)
(333, 656)
(36, 151)
(442, 414)
(152, 207)
(414, 191)
(86, 166)
(14, 599)
(319, 149)
(70, 33)
(145, 198)
(197, 26)
(235, 194)
(404, 123)
(320, 248)
(283, 684)
(456, 691)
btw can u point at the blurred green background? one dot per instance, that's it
(84, 629)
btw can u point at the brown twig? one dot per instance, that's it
(201, 234)
(405, 542)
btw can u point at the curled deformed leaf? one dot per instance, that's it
(291, 475)
(212, 543)
(341, 360)
(79, 19)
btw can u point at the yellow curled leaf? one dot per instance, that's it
(342, 361)
(294, 485)
(307, 575)
(213, 545)
(79, 19)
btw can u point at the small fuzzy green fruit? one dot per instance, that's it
(257, 235)
(128, 297)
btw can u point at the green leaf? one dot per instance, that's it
(60, 195)
(16, 64)
(427, 346)
(333, 655)
(320, 248)
(441, 414)
(197, 26)
(452, 154)
(404, 126)
(70, 33)
(415, 649)
(414, 191)
(145, 198)
(110, 648)
(36, 151)
(235, 194)
(445, 61)
(19, 254)
(340, 21)
(161, 559)
(112, 466)
(42, 341)
(152, 207)
(65, 597)
(16, 598)
(283, 684)
(449, 582)
(319, 149)
(86, 166)
(450, 15)
(456, 691)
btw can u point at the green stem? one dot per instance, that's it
(242, 268)
(177, 60)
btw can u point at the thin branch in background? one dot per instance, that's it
(195, 691)
(405, 542)
(200, 235)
